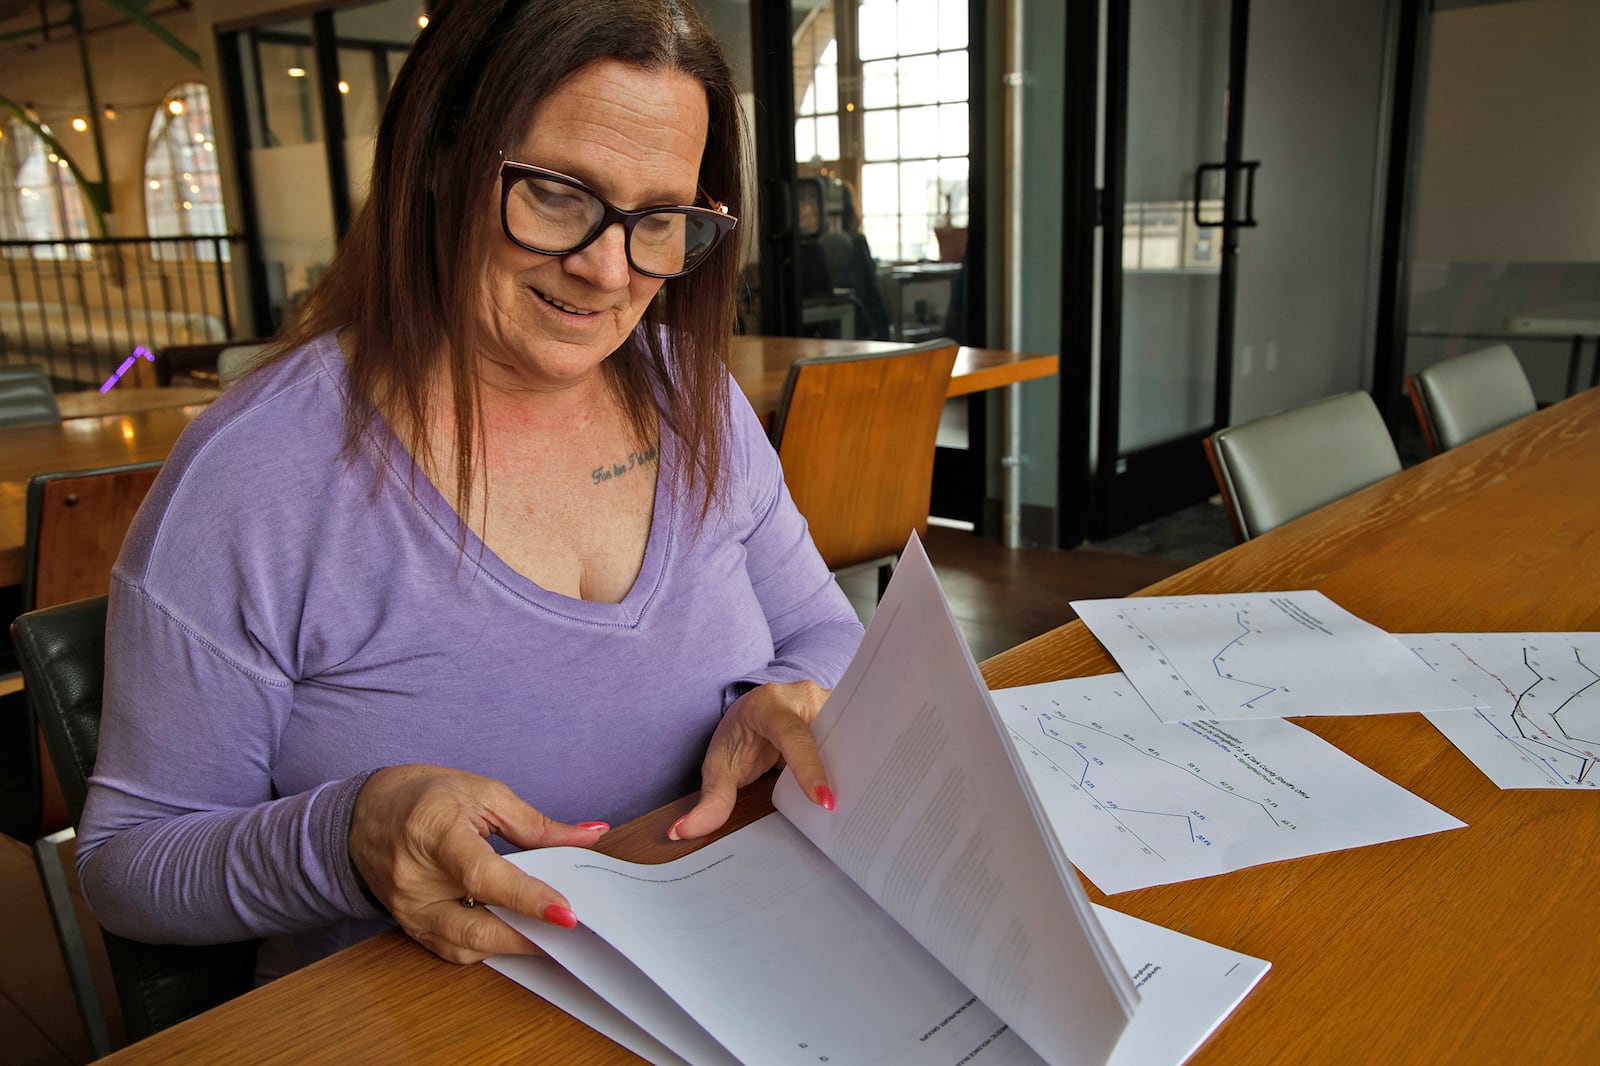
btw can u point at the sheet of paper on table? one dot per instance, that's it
(1262, 655)
(1139, 802)
(1536, 723)
(1187, 987)
(868, 934)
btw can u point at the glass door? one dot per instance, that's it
(1178, 188)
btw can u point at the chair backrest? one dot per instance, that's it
(77, 521)
(196, 363)
(236, 361)
(62, 651)
(26, 398)
(856, 438)
(1467, 395)
(1286, 464)
(76, 524)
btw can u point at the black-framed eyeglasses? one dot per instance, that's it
(553, 214)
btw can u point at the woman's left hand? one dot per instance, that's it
(763, 726)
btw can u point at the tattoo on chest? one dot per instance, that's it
(606, 471)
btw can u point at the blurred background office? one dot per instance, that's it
(1211, 209)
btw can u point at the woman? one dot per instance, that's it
(492, 548)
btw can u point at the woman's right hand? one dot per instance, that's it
(419, 839)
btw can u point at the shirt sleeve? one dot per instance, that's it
(815, 631)
(183, 839)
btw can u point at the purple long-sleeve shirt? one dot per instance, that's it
(284, 621)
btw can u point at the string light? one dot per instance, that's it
(344, 87)
(422, 22)
(111, 113)
(297, 72)
(175, 106)
(80, 124)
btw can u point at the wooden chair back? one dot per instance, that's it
(77, 521)
(856, 437)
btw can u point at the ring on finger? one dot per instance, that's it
(468, 901)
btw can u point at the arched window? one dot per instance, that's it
(182, 192)
(39, 200)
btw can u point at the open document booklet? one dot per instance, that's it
(932, 917)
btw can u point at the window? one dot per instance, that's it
(182, 190)
(39, 199)
(904, 103)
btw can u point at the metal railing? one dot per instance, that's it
(81, 307)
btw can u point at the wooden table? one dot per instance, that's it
(149, 420)
(1474, 946)
(761, 365)
(93, 403)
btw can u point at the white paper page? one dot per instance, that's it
(1262, 655)
(546, 977)
(770, 948)
(1138, 802)
(1537, 718)
(1188, 987)
(935, 822)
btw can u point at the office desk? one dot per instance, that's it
(93, 403)
(1473, 946)
(75, 444)
(1579, 321)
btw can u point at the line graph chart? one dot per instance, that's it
(1261, 655)
(1536, 723)
(1137, 802)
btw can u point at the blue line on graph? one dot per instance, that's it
(1270, 689)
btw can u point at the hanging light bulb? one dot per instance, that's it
(422, 22)
(175, 106)
(80, 124)
(111, 113)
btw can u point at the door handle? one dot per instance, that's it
(1248, 170)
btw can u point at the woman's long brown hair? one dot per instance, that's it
(406, 281)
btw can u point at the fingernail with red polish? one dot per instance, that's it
(825, 797)
(556, 914)
(672, 833)
(602, 826)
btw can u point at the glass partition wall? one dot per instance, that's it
(307, 94)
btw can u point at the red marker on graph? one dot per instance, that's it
(126, 363)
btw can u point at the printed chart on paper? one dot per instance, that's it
(1537, 719)
(1137, 802)
(1262, 655)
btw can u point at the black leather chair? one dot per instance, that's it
(62, 650)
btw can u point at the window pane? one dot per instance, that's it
(879, 132)
(828, 137)
(919, 26)
(919, 80)
(953, 24)
(880, 189)
(953, 182)
(805, 138)
(954, 129)
(825, 90)
(919, 131)
(879, 84)
(876, 29)
(953, 76)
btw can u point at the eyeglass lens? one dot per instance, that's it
(555, 218)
